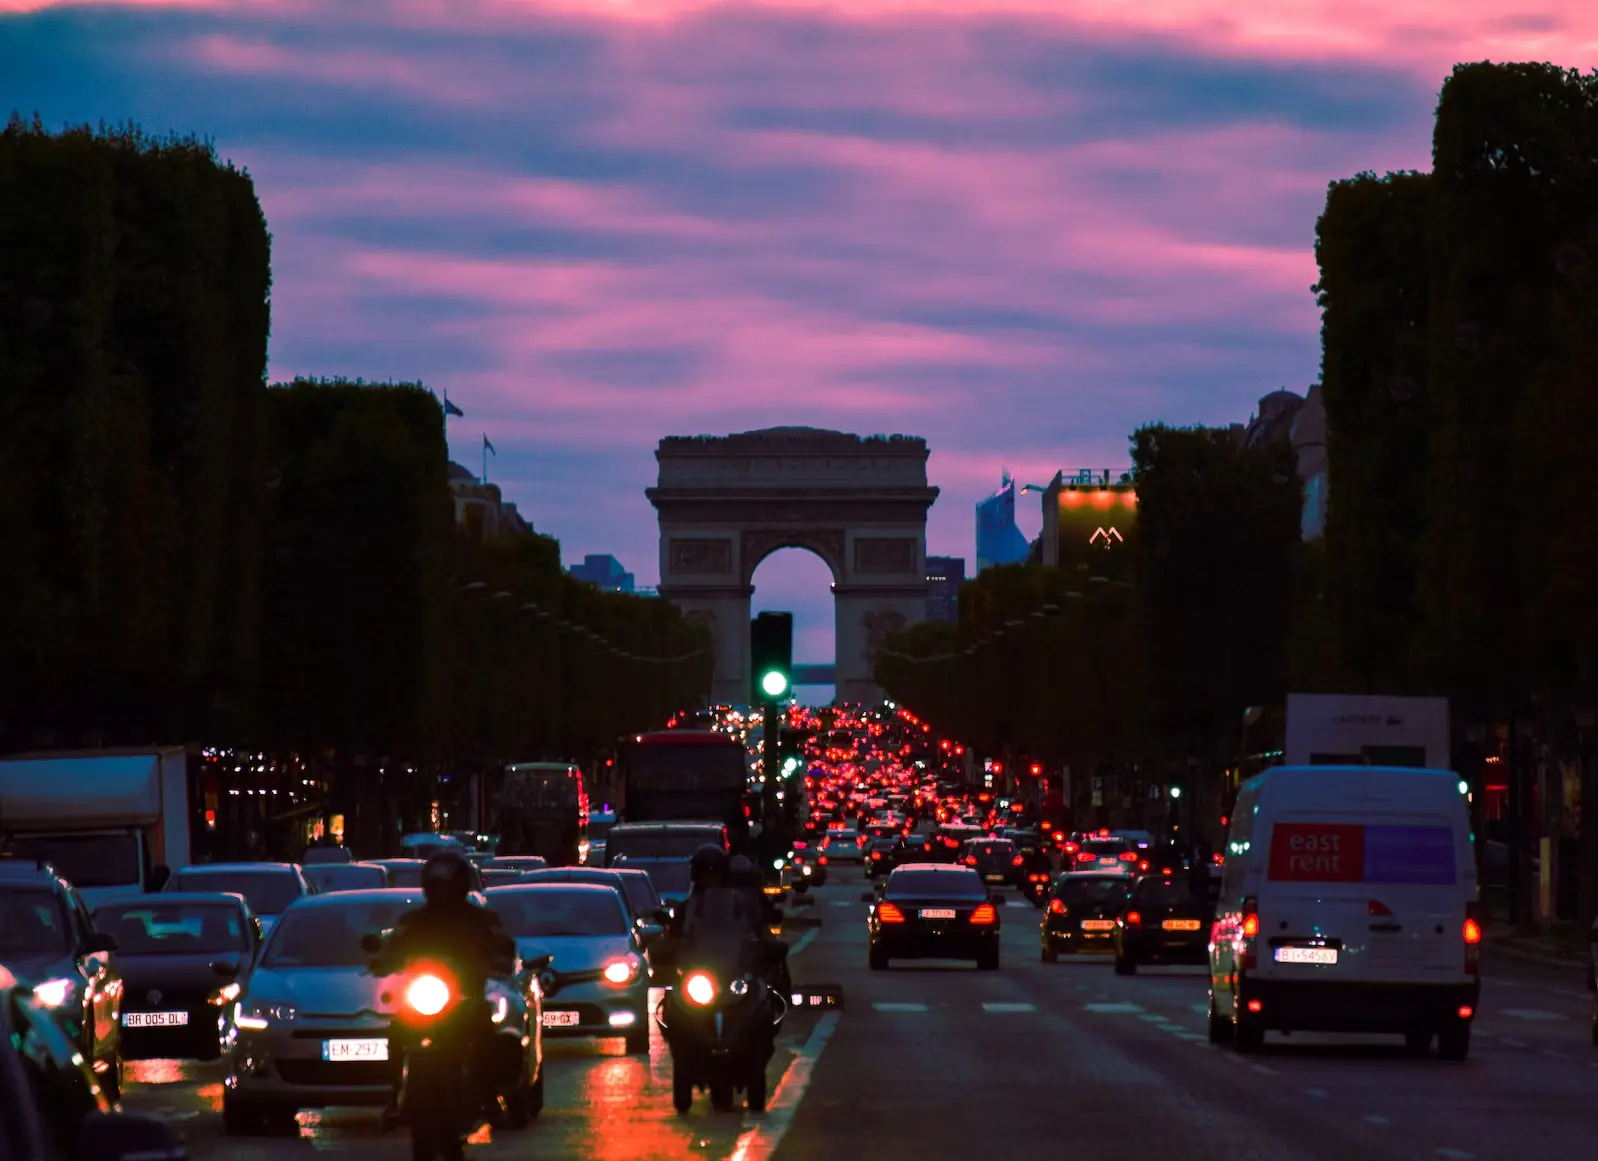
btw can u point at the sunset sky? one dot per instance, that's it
(1017, 229)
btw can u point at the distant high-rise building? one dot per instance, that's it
(945, 575)
(603, 571)
(999, 541)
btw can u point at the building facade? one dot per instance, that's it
(603, 571)
(999, 540)
(481, 511)
(945, 575)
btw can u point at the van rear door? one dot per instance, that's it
(1420, 873)
(1313, 904)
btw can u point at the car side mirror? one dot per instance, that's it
(371, 944)
(227, 968)
(159, 877)
(125, 1136)
(98, 943)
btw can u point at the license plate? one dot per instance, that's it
(355, 1049)
(937, 913)
(1181, 925)
(995, 878)
(154, 1019)
(1109, 862)
(1306, 955)
(560, 1019)
(1098, 925)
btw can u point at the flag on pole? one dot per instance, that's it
(488, 447)
(450, 408)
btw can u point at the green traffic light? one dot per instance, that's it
(774, 683)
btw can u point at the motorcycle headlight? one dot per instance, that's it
(776, 864)
(255, 1015)
(55, 993)
(427, 995)
(621, 971)
(699, 988)
(807, 868)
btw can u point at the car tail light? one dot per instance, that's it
(984, 915)
(1017, 861)
(822, 860)
(889, 913)
(1056, 907)
(1255, 1006)
(1129, 856)
(1251, 917)
(876, 854)
(1472, 933)
(1218, 858)
(1083, 857)
(1070, 848)
(1143, 866)
(1165, 870)
(970, 860)
(1134, 919)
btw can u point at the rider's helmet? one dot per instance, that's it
(708, 867)
(446, 878)
(741, 872)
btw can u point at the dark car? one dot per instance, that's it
(51, 1109)
(323, 854)
(996, 860)
(184, 960)
(269, 887)
(1102, 854)
(641, 900)
(1165, 920)
(661, 840)
(879, 855)
(330, 877)
(49, 944)
(1082, 912)
(934, 912)
(912, 848)
(408, 872)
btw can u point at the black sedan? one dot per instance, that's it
(879, 851)
(1081, 914)
(1165, 920)
(184, 958)
(912, 848)
(934, 912)
(996, 860)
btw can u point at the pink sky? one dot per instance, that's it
(1017, 229)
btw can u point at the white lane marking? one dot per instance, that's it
(1317, 1093)
(1113, 1009)
(1514, 1043)
(1532, 1014)
(840, 903)
(1201, 1010)
(1375, 1119)
(1455, 1154)
(804, 942)
(1184, 1034)
(998, 1009)
(891, 1006)
(760, 1142)
(1263, 1069)
(1153, 1018)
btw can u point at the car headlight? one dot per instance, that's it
(807, 868)
(256, 1015)
(621, 971)
(776, 864)
(55, 993)
(226, 994)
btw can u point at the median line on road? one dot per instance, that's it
(761, 1141)
(1002, 1008)
(1113, 1009)
(896, 1006)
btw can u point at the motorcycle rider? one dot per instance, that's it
(742, 875)
(450, 928)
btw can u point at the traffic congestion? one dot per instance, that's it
(899, 933)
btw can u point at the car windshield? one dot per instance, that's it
(669, 876)
(535, 911)
(155, 928)
(329, 935)
(1090, 890)
(268, 892)
(328, 877)
(405, 874)
(939, 884)
(32, 922)
(997, 848)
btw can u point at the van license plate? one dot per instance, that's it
(355, 1049)
(1306, 955)
(937, 913)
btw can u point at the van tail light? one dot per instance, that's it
(1129, 856)
(1056, 907)
(1134, 919)
(889, 913)
(1472, 933)
(985, 915)
(1017, 861)
(1251, 917)
(1378, 908)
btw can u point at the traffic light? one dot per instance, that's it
(771, 657)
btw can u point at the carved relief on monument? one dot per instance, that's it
(879, 625)
(827, 543)
(702, 619)
(885, 555)
(693, 556)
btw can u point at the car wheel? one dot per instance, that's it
(1220, 1030)
(518, 1106)
(1453, 1041)
(110, 1081)
(638, 1041)
(878, 959)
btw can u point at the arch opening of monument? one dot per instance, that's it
(796, 580)
(860, 504)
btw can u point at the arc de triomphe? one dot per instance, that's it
(859, 503)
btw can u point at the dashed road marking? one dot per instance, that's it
(895, 1006)
(1003, 1009)
(1317, 1093)
(840, 903)
(1113, 1009)
(1375, 1119)
(1184, 1034)
(1153, 1018)
(760, 1142)
(1264, 1069)
(1201, 1010)
(803, 942)
(1533, 1014)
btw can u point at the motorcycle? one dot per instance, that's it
(721, 1022)
(1036, 887)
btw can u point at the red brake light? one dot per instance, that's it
(822, 860)
(1220, 859)
(1017, 861)
(1129, 856)
(1472, 930)
(1165, 870)
(1083, 857)
(970, 860)
(1056, 907)
(1472, 933)
(889, 913)
(1251, 918)
(876, 854)
(1143, 866)
(984, 914)
(1133, 919)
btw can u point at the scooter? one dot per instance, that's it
(721, 1022)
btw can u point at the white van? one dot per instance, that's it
(1348, 904)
